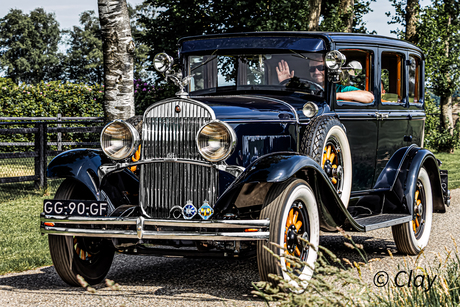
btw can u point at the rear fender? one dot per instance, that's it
(251, 187)
(418, 159)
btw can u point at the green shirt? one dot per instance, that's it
(339, 88)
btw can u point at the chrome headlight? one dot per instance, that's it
(216, 141)
(335, 60)
(119, 140)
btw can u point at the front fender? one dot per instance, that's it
(79, 164)
(251, 187)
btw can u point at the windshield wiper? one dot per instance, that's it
(207, 61)
(304, 57)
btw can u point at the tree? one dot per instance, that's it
(29, 46)
(314, 14)
(407, 15)
(84, 62)
(345, 16)
(440, 40)
(118, 49)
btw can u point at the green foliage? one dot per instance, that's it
(49, 99)
(333, 18)
(29, 46)
(84, 61)
(436, 136)
(440, 42)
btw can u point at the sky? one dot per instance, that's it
(68, 11)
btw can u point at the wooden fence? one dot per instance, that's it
(43, 128)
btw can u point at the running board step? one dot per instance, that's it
(382, 221)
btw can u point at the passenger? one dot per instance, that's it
(317, 74)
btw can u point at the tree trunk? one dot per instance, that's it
(347, 14)
(412, 16)
(446, 113)
(118, 49)
(314, 14)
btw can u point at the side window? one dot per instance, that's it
(363, 81)
(415, 86)
(392, 86)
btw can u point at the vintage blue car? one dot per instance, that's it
(271, 137)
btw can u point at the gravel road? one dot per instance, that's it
(152, 281)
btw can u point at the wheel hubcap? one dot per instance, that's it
(296, 225)
(332, 163)
(419, 212)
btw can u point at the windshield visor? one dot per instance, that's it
(278, 72)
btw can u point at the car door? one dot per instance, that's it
(393, 115)
(359, 118)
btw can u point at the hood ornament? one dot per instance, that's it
(163, 63)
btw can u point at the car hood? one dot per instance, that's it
(249, 107)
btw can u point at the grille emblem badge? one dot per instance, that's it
(177, 109)
(189, 210)
(175, 212)
(205, 211)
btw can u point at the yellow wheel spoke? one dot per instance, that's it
(290, 217)
(78, 251)
(328, 154)
(74, 241)
(419, 202)
(296, 215)
(416, 194)
(332, 157)
(298, 225)
(297, 251)
(413, 226)
(417, 223)
(334, 181)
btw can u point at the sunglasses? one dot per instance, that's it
(314, 68)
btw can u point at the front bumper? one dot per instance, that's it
(135, 228)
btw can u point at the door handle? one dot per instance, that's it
(381, 116)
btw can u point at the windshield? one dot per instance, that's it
(279, 72)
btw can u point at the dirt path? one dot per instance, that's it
(151, 281)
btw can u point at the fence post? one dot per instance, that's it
(41, 159)
(59, 135)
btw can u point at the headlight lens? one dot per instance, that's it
(119, 140)
(335, 60)
(216, 141)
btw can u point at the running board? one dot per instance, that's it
(382, 220)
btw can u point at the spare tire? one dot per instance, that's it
(326, 142)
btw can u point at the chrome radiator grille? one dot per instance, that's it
(167, 133)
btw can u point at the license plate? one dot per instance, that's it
(75, 207)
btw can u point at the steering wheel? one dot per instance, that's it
(302, 81)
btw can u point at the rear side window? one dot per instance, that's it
(415, 84)
(392, 77)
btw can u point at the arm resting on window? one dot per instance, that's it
(359, 96)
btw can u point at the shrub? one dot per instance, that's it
(47, 100)
(436, 136)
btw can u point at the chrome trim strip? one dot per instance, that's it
(155, 222)
(131, 234)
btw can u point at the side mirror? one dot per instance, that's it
(354, 68)
(162, 62)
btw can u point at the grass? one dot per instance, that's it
(451, 162)
(21, 245)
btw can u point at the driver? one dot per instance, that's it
(317, 74)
